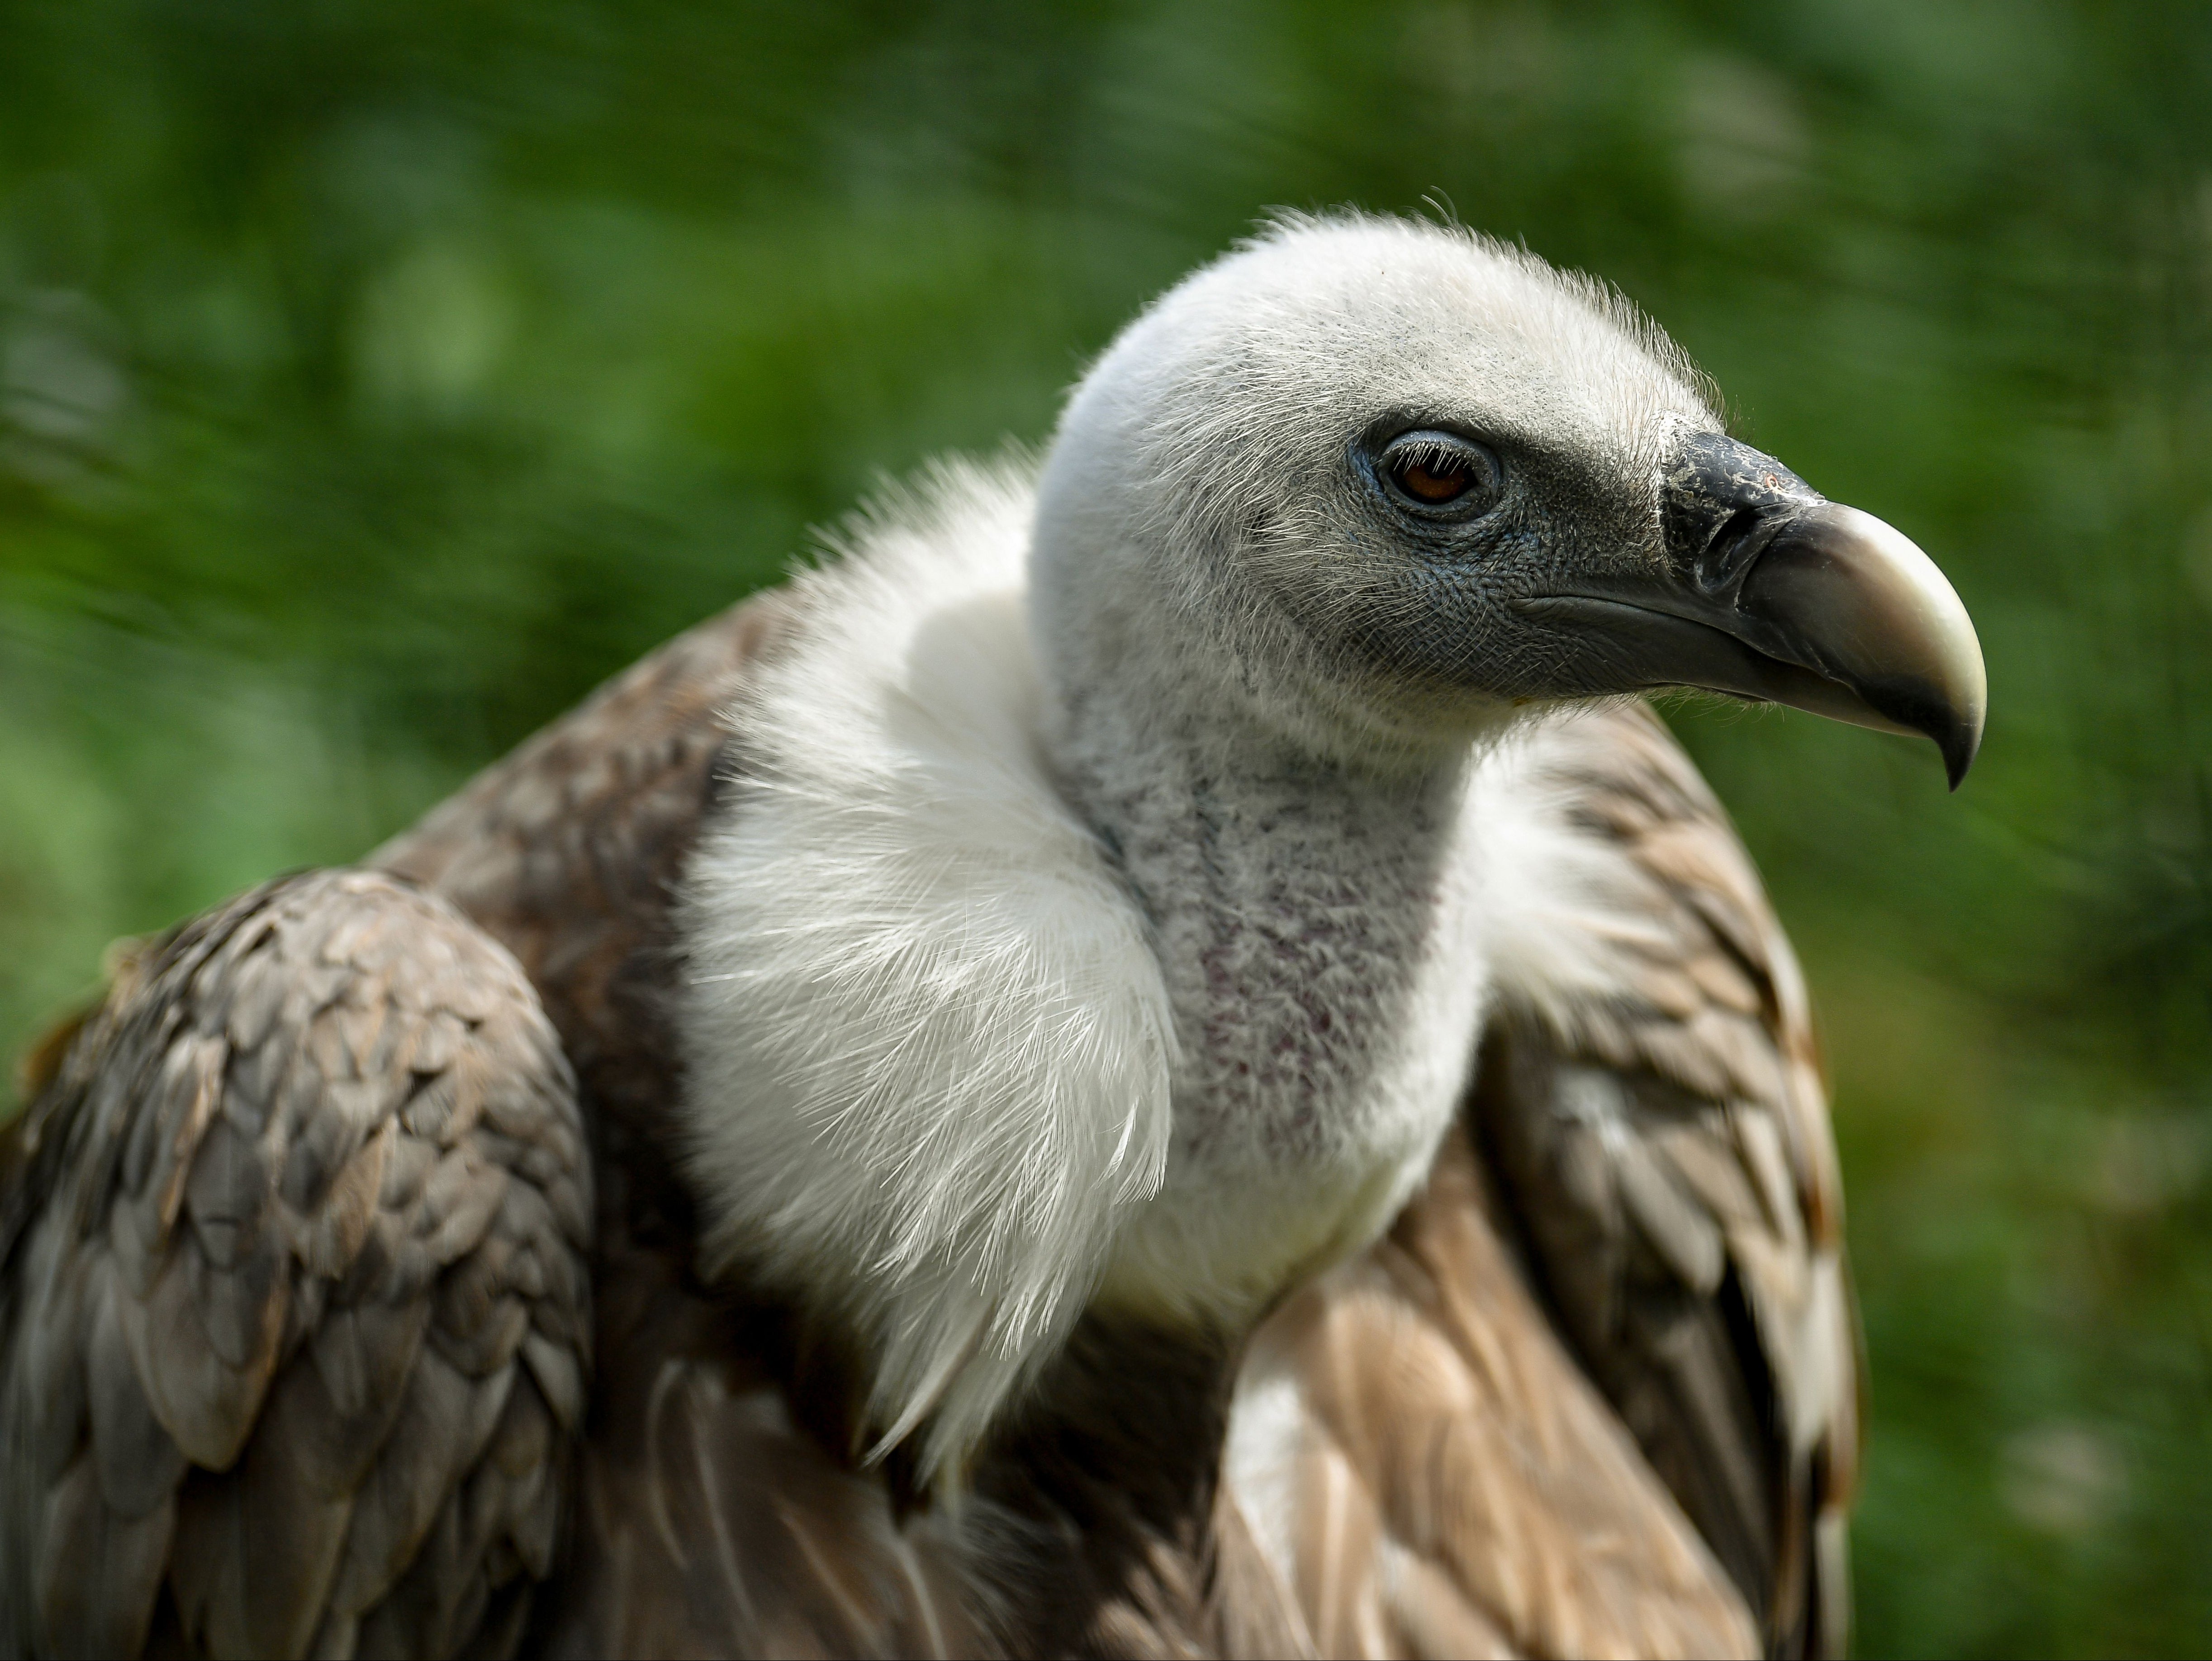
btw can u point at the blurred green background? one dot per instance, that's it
(373, 380)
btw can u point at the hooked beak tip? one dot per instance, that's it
(1959, 757)
(1856, 601)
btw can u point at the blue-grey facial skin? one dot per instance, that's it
(1426, 590)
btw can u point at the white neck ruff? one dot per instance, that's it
(928, 1042)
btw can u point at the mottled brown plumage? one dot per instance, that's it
(295, 1293)
(295, 1281)
(1670, 1168)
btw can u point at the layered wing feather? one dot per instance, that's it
(1661, 1138)
(293, 1292)
(1435, 1473)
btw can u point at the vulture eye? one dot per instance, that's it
(1439, 470)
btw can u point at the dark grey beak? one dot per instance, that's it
(1773, 594)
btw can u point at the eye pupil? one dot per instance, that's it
(1435, 481)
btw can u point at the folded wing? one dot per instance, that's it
(294, 1293)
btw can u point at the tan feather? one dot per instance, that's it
(1718, 1152)
(1464, 1475)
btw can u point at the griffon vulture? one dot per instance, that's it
(1158, 1058)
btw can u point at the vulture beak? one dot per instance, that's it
(1772, 593)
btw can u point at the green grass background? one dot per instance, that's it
(375, 379)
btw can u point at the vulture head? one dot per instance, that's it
(1378, 484)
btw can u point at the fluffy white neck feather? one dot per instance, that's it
(928, 1044)
(1004, 1001)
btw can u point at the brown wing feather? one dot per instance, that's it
(1664, 1156)
(1459, 1486)
(711, 1522)
(1438, 1477)
(293, 1295)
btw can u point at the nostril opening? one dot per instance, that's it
(1736, 542)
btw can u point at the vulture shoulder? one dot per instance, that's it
(293, 1291)
(567, 850)
(1639, 1213)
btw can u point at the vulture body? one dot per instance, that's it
(1154, 1060)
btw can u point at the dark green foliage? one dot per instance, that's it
(375, 379)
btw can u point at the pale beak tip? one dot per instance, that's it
(1872, 611)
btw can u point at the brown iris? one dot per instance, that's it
(1433, 479)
